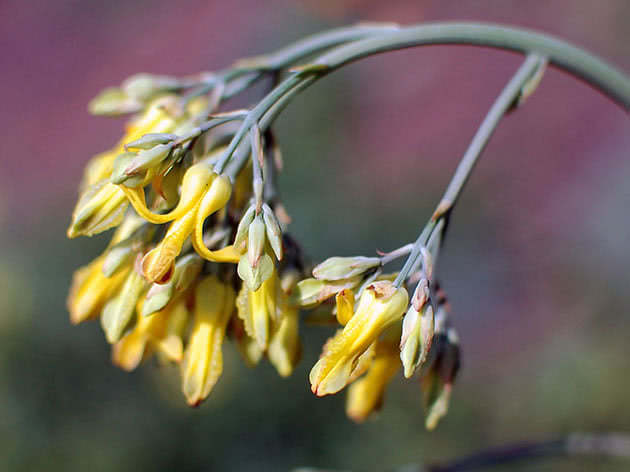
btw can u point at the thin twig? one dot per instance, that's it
(576, 444)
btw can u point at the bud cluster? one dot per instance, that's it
(200, 255)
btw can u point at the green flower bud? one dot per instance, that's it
(311, 292)
(255, 276)
(151, 140)
(274, 233)
(187, 268)
(256, 240)
(112, 102)
(119, 311)
(143, 87)
(242, 231)
(338, 268)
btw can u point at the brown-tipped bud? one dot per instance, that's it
(421, 295)
(256, 240)
(417, 335)
(444, 362)
(274, 233)
(338, 268)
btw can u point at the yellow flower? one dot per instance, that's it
(284, 347)
(161, 331)
(366, 394)
(155, 119)
(203, 359)
(380, 305)
(90, 290)
(258, 308)
(101, 206)
(246, 345)
(198, 201)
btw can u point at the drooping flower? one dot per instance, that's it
(380, 305)
(365, 395)
(161, 331)
(203, 359)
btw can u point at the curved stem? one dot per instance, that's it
(248, 71)
(574, 60)
(500, 106)
(560, 53)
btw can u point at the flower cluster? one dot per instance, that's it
(200, 254)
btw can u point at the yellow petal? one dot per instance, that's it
(380, 305)
(366, 394)
(128, 352)
(215, 198)
(195, 183)
(101, 206)
(284, 347)
(203, 359)
(158, 264)
(345, 306)
(90, 290)
(257, 309)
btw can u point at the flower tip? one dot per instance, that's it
(157, 269)
(71, 232)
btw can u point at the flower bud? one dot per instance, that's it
(187, 268)
(147, 159)
(273, 231)
(102, 206)
(159, 331)
(121, 253)
(254, 277)
(416, 338)
(258, 308)
(255, 240)
(203, 360)
(90, 290)
(158, 264)
(365, 396)
(113, 102)
(311, 292)
(150, 140)
(242, 232)
(119, 174)
(143, 87)
(337, 268)
(284, 347)
(119, 311)
(345, 306)
(444, 362)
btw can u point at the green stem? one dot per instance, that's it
(500, 106)
(255, 114)
(247, 75)
(576, 61)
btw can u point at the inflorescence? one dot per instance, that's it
(201, 253)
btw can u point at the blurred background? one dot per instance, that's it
(535, 264)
